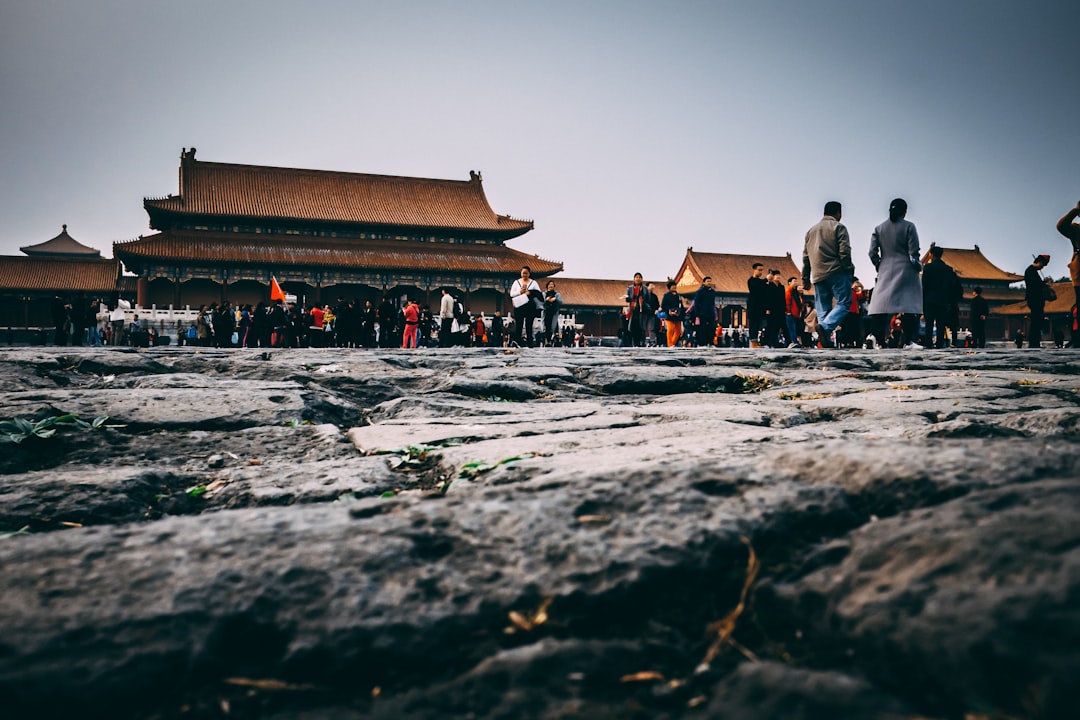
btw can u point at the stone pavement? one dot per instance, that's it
(542, 533)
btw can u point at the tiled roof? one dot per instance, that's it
(220, 189)
(204, 248)
(972, 265)
(62, 245)
(36, 274)
(1065, 299)
(729, 272)
(593, 293)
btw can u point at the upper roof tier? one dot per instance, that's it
(63, 245)
(325, 197)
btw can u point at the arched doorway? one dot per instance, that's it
(248, 292)
(199, 291)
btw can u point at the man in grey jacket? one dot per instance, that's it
(827, 262)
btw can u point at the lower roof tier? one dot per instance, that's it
(232, 249)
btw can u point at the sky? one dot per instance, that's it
(627, 130)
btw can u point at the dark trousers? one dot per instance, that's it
(1038, 317)
(704, 333)
(446, 327)
(523, 322)
(978, 333)
(935, 314)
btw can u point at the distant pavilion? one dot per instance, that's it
(729, 273)
(59, 267)
(324, 235)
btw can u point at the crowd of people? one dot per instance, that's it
(913, 305)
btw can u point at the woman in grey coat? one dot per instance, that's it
(894, 250)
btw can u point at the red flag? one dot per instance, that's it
(276, 293)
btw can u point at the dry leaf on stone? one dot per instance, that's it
(644, 676)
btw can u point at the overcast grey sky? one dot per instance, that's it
(627, 130)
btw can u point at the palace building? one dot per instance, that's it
(324, 235)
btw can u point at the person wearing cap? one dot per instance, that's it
(1035, 295)
(894, 250)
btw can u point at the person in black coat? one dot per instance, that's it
(941, 293)
(980, 310)
(1035, 295)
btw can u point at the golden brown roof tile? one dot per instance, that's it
(60, 274)
(299, 251)
(286, 194)
(62, 245)
(972, 265)
(729, 271)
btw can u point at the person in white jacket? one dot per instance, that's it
(523, 294)
(116, 319)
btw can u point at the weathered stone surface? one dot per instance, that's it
(542, 533)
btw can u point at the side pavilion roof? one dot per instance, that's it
(728, 271)
(972, 265)
(63, 245)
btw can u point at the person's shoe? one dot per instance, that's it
(793, 346)
(825, 343)
(914, 346)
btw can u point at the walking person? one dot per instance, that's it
(894, 250)
(827, 264)
(1036, 293)
(524, 293)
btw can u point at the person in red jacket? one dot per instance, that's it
(412, 324)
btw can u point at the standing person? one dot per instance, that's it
(523, 294)
(756, 301)
(446, 318)
(552, 305)
(851, 329)
(368, 319)
(117, 319)
(387, 314)
(639, 311)
(412, 324)
(1035, 294)
(495, 335)
(775, 311)
(793, 311)
(939, 285)
(894, 250)
(671, 307)
(705, 312)
(980, 310)
(827, 263)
